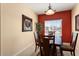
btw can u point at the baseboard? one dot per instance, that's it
(16, 54)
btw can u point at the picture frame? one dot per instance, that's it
(77, 22)
(26, 23)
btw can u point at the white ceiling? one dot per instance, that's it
(39, 8)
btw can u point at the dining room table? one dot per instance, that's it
(56, 39)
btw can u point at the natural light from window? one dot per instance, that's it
(53, 26)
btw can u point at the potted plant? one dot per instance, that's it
(39, 27)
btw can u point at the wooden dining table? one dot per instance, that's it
(57, 40)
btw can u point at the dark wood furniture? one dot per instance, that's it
(71, 47)
(46, 48)
(36, 40)
(57, 42)
(44, 43)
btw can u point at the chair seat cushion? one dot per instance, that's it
(67, 47)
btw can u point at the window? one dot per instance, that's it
(53, 26)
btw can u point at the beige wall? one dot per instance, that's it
(13, 40)
(75, 11)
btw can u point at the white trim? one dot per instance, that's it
(22, 50)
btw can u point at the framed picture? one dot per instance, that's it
(77, 22)
(26, 23)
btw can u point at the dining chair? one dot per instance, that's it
(36, 40)
(47, 49)
(72, 46)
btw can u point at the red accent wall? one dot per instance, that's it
(66, 23)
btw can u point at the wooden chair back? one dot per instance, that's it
(47, 47)
(74, 40)
(36, 36)
(46, 44)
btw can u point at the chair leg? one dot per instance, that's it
(54, 51)
(71, 52)
(61, 52)
(41, 52)
(74, 53)
(35, 48)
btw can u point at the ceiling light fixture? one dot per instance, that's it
(50, 11)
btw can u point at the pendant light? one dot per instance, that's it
(50, 11)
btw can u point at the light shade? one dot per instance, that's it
(50, 11)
